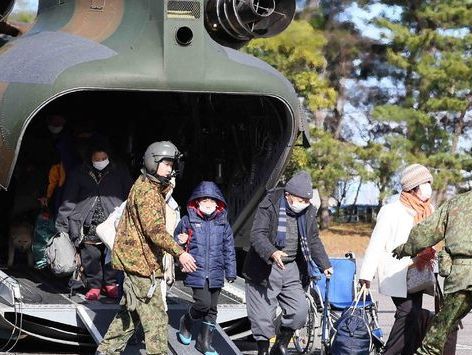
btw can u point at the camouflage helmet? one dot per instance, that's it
(158, 151)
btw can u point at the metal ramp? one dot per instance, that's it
(97, 326)
(221, 342)
(48, 313)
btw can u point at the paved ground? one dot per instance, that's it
(387, 310)
(386, 318)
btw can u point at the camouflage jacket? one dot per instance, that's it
(141, 236)
(453, 223)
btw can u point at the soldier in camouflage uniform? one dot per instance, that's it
(138, 249)
(453, 223)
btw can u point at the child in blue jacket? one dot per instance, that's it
(206, 234)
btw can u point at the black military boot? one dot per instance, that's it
(262, 347)
(281, 342)
(185, 329)
(204, 339)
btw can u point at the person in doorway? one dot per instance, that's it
(285, 246)
(206, 233)
(140, 241)
(91, 193)
(61, 161)
(46, 143)
(394, 223)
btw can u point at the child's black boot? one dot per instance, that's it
(185, 329)
(205, 338)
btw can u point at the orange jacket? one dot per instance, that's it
(57, 177)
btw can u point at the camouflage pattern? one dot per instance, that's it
(453, 223)
(141, 236)
(151, 314)
(456, 306)
(140, 37)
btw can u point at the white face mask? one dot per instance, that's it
(425, 191)
(100, 165)
(298, 207)
(55, 129)
(207, 210)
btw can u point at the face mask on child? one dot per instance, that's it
(208, 210)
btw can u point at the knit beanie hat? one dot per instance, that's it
(415, 175)
(300, 185)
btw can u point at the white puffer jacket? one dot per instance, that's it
(394, 223)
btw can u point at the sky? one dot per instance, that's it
(30, 5)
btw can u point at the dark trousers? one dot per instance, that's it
(406, 334)
(205, 304)
(97, 273)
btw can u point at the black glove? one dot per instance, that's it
(398, 252)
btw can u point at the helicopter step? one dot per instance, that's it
(34, 305)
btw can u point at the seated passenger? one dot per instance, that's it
(91, 193)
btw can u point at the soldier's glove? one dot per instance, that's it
(398, 252)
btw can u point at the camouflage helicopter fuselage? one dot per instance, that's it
(138, 46)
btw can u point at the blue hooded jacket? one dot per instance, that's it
(211, 242)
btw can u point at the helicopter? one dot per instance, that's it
(141, 71)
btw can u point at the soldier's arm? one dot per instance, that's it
(153, 222)
(427, 233)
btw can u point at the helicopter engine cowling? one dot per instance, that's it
(233, 23)
(5, 8)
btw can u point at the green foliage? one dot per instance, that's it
(328, 160)
(447, 14)
(431, 48)
(384, 161)
(298, 54)
(23, 16)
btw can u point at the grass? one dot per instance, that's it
(338, 239)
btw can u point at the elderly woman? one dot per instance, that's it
(394, 222)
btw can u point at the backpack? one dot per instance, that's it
(61, 255)
(352, 332)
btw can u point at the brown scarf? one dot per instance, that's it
(423, 210)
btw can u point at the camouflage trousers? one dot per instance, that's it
(135, 309)
(456, 306)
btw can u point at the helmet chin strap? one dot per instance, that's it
(163, 180)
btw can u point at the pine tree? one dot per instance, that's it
(431, 51)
